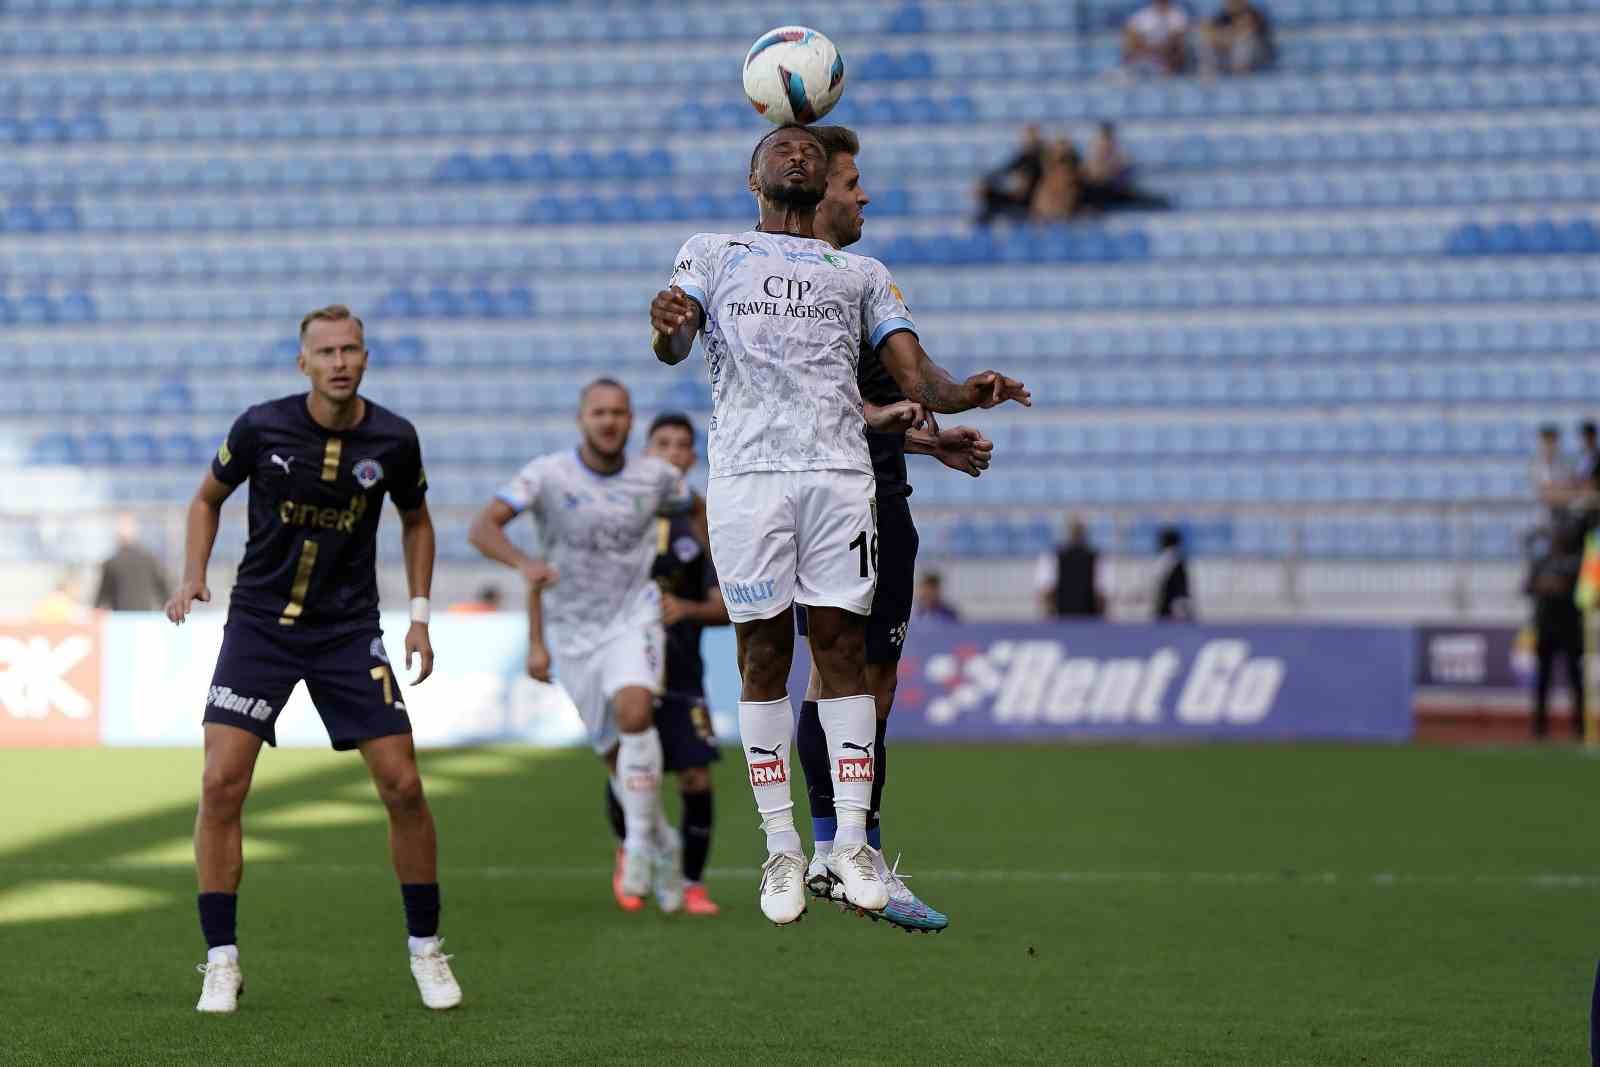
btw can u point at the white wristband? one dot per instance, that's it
(419, 609)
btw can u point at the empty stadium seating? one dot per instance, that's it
(1380, 273)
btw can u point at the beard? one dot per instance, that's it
(793, 196)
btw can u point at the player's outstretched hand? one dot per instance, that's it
(418, 645)
(898, 417)
(538, 663)
(990, 388)
(964, 449)
(539, 574)
(670, 310)
(183, 600)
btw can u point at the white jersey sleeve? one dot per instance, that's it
(883, 306)
(691, 271)
(522, 492)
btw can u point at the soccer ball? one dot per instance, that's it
(793, 74)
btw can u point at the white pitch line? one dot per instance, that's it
(1556, 880)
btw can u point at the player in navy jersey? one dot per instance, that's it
(305, 607)
(839, 221)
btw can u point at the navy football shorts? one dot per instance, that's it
(685, 728)
(344, 667)
(897, 578)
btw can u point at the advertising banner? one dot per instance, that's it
(49, 684)
(1475, 657)
(1050, 681)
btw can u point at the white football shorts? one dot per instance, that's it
(781, 537)
(631, 654)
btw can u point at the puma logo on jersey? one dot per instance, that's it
(281, 461)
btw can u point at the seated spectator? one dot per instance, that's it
(1059, 193)
(931, 603)
(1008, 190)
(1107, 175)
(1155, 40)
(1238, 39)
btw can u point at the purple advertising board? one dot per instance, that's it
(1049, 681)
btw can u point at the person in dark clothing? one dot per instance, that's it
(1558, 624)
(1068, 578)
(1173, 602)
(1008, 190)
(131, 579)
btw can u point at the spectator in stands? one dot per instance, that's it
(1155, 40)
(1589, 453)
(1007, 192)
(487, 600)
(1173, 602)
(1068, 577)
(131, 578)
(1107, 175)
(931, 603)
(1058, 196)
(1551, 475)
(1237, 40)
(1558, 624)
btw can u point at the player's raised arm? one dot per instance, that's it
(675, 318)
(200, 534)
(925, 381)
(488, 535)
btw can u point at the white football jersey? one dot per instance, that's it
(599, 533)
(785, 319)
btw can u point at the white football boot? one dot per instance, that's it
(668, 873)
(222, 987)
(820, 883)
(783, 891)
(858, 877)
(431, 969)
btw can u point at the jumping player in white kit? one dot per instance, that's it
(594, 613)
(790, 503)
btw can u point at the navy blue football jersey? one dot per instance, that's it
(315, 499)
(683, 568)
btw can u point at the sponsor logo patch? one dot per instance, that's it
(223, 698)
(768, 772)
(855, 769)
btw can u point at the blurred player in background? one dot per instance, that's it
(839, 221)
(596, 513)
(690, 601)
(305, 606)
(791, 501)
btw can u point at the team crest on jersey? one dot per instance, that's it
(368, 473)
(835, 260)
(377, 650)
(685, 549)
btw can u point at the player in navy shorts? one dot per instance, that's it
(305, 607)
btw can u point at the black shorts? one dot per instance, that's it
(345, 670)
(687, 739)
(897, 579)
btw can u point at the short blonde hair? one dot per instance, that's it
(331, 313)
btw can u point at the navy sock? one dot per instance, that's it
(1594, 1022)
(811, 744)
(880, 768)
(422, 908)
(696, 833)
(614, 812)
(219, 914)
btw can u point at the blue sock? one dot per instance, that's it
(875, 836)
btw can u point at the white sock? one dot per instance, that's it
(222, 954)
(766, 732)
(639, 775)
(851, 727)
(420, 945)
(824, 848)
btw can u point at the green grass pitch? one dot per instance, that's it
(1110, 905)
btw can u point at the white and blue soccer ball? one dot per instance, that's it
(793, 74)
